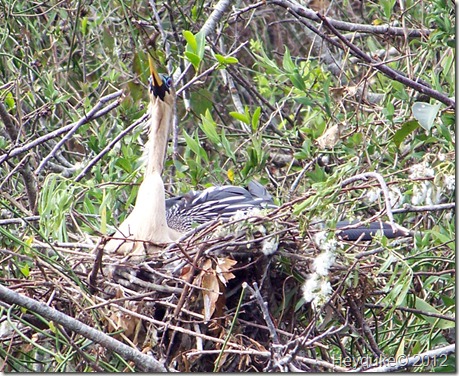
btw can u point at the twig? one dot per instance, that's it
(29, 180)
(266, 354)
(264, 310)
(175, 328)
(412, 208)
(131, 279)
(89, 116)
(197, 78)
(109, 147)
(228, 80)
(412, 310)
(365, 328)
(299, 177)
(231, 330)
(144, 362)
(83, 354)
(385, 192)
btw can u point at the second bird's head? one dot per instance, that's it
(159, 85)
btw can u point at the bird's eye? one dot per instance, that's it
(166, 80)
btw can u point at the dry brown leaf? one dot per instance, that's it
(122, 321)
(186, 272)
(210, 293)
(223, 269)
(329, 139)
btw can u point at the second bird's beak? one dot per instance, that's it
(157, 86)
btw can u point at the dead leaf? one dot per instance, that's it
(223, 269)
(330, 138)
(210, 293)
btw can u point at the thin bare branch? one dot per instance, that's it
(40, 140)
(389, 72)
(90, 115)
(110, 146)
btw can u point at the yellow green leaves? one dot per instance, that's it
(9, 100)
(226, 60)
(194, 48)
(248, 118)
(292, 71)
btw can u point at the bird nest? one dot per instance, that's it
(198, 302)
(226, 297)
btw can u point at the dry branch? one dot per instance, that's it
(145, 362)
(305, 12)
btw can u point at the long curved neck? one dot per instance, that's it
(160, 122)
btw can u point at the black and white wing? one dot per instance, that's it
(214, 203)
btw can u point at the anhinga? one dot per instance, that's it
(155, 220)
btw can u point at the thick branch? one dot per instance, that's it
(211, 23)
(349, 26)
(144, 362)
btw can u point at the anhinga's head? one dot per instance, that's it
(159, 84)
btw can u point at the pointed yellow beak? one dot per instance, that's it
(156, 79)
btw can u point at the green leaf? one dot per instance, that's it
(287, 62)
(304, 100)
(125, 164)
(201, 41)
(404, 131)
(256, 119)
(209, 127)
(225, 60)
(194, 145)
(25, 270)
(84, 25)
(388, 6)
(193, 59)
(422, 305)
(227, 146)
(191, 40)
(297, 80)
(241, 117)
(9, 100)
(194, 48)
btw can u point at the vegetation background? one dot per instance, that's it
(265, 91)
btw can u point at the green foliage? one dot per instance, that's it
(194, 48)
